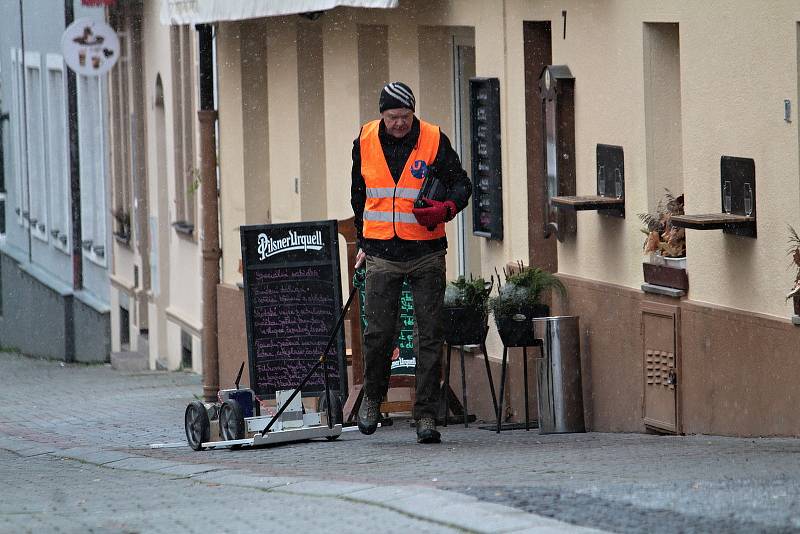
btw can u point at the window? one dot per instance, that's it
(57, 152)
(91, 146)
(186, 173)
(120, 137)
(17, 131)
(37, 169)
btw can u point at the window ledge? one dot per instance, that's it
(39, 233)
(183, 227)
(92, 255)
(123, 239)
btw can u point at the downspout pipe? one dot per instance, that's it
(74, 164)
(209, 238)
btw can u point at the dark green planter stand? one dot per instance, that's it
(464, 326)
(517, 331)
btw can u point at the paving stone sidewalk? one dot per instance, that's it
(56, 495)
(96, 424)
(615, 482)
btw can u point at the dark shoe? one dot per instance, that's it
(368, 415)
(426, 431)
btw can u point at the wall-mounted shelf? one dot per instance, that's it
(738, 201)
(589, 202)
(713, 221)
(610, 197)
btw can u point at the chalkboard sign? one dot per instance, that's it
(292, 301)
(404, 358)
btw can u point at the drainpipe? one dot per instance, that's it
(207, 116)
(74, 164)
(74, 191)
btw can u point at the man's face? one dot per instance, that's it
(398, 121)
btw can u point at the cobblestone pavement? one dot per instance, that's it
(57, 495)
(614, 482)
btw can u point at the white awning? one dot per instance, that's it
(205, 11)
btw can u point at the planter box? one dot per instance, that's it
(464, 326)
(675, 263)
(517, 331)
(661, 275)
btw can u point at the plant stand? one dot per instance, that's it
(447, 391)
(517, 331)
(464, 328)
(533, 343)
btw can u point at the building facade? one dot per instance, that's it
(54, 256)
(680, 87)
(155, 282)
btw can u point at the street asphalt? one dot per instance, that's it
(75, 456)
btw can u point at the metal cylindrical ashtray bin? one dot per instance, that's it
(559, 375)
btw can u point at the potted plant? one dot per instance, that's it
(122, 233)
(519, 301)
(466, 310)
(794, 252)
(665, 243)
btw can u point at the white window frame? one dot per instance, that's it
(17, 131)
(39, 181)
(184, 135)
(97, 182)
(60, 204)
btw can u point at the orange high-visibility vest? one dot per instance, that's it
(387, 211)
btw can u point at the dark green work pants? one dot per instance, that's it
(426, 276)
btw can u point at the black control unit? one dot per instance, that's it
(487, 176)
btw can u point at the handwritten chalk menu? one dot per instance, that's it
(404, 359)
(292, 301)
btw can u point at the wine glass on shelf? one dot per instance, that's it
(748, 199)
(601, 180)
(618, 183)
(726, 197)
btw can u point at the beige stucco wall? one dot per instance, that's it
(177, 302)
(159, 178)
(738, 61)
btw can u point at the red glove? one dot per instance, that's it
(436, 213)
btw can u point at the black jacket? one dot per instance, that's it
(446, 168)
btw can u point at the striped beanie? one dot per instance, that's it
(396, 95)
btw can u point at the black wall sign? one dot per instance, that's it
(487, 176)
(292, 300)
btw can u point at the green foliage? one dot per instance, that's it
(472, 293)
(197, 179)
(523, 290)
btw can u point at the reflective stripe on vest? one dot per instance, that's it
(387, 212)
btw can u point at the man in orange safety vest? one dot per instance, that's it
(402, 235)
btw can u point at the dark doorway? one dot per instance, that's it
(538, 54)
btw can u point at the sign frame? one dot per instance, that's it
(327, 256)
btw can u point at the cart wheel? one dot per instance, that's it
(197, 425)
(231, 420)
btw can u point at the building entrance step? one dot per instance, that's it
(129, 361)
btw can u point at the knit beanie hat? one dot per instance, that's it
(396, 95)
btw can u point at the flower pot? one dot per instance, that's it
(796, 299)
(662, 275)
(464, 326)
(516, 330)
(675, 263)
